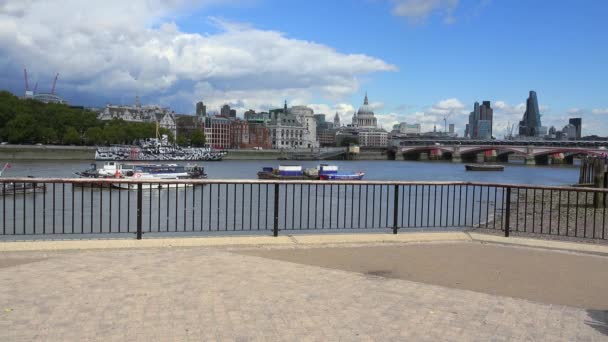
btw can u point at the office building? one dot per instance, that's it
(530, 125)
(480, 122)
(578, 124)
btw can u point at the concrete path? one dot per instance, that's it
(210, 293)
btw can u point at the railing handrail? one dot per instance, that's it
(280, 181)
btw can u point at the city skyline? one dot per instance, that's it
(419, 64)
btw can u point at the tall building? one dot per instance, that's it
(577, 123)
(201, 109)
(217, 132)
(569, 132)
(225, 111)
(232, 113)
(306, 117)
(480, 122)
(451, 130)
(530, 125)
(337, 120)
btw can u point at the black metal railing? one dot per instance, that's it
(117, 206)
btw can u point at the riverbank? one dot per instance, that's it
(46, 152)
(55, 152)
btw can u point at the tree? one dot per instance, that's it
(197, 138)
(182, 140)
(71, 136)
(94, 136)
(346, 141)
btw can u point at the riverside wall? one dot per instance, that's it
(46, 152)
(54, 152)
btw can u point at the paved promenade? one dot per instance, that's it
(228, 294)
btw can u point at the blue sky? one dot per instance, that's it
(419, 60)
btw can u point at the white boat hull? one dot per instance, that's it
(147, 186)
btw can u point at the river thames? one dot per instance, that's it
(374, 170)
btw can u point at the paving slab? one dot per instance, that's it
(203, 293)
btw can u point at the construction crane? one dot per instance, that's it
(27, 86)
(54, 84)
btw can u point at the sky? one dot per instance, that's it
(420, 61)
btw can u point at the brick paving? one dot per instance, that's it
(183, 294)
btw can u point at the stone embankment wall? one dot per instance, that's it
(46, 152)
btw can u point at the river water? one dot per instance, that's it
(63, 208)
(374, 170)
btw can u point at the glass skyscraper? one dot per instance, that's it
(531, 126)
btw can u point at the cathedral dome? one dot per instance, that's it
(366, 109)
(364, 117)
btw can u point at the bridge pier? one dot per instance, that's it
(456, 158)
(530, 160)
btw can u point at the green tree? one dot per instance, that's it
(182, 140)
(197, 138)
(48, 135)
(94, 136)
(346, 141)
(71, 136)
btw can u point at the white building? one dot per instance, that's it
(364, 117)
(365, 126)
(373, 138)
(405, 128)
(139, 113)
(569, 132)
(286, 131)
(305, 116)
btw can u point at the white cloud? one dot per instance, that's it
(419, 10)
(117, 48)
(599, 111)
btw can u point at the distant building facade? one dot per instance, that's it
(306, 117)
(286, 130)
(569, 132)
(530, 125)
(365, 127)
(409, 129)
(480, 122)
(217, 132)
(578, 124)
(201, 109)
(138, 113)
(225, 111)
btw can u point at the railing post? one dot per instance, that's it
(276, 210)
(508, 213)
(139, 210)
(396, 209)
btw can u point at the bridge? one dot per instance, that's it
(532, 152)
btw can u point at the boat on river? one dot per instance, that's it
(13, 188)
(484, 167)
(283, 172)
(114, 170)
(331, 172)
(295, 172)
(158, 149)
